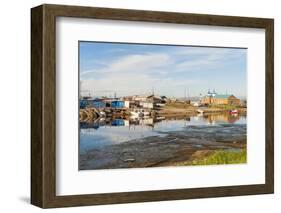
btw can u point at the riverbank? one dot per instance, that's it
(192, 144)
(177, 109)
(216, 158)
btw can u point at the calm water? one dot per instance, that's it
(104, 132)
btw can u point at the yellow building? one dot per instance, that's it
(213, 98)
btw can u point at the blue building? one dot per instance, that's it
(103, 103)
(117, 104)
(83, 104)
(98, 103)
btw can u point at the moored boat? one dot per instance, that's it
(140, 112)
(234, 112)
(136, 113)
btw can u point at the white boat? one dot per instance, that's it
(140, 113)
(233, 112)
(200, 111)
(137, 113)
(102, 114)
(160, 118)
(146, 113)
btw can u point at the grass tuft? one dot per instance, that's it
(219, 157)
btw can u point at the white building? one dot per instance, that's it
(127, 104)
(146, 104)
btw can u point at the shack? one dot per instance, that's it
(83, 104)
(117, 104)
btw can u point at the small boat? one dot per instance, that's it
(102, 113)
(160, 118)
(233, 112)
(140, 112)
(200, 111)
(137, 113)
(146, 113)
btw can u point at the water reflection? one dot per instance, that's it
(107, 131)
(211, 119)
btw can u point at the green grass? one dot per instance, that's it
(224, 106)
(180, 105)
(220, 157)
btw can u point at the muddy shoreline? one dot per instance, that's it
(166, 149)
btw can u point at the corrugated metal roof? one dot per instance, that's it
(222, 96)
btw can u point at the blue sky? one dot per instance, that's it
(130, 69)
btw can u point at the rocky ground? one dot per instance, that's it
(194, 142)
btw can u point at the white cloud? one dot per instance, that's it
(205, 58)
(131, 63)
(138, 73)
(135, 83)
(141, 62)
